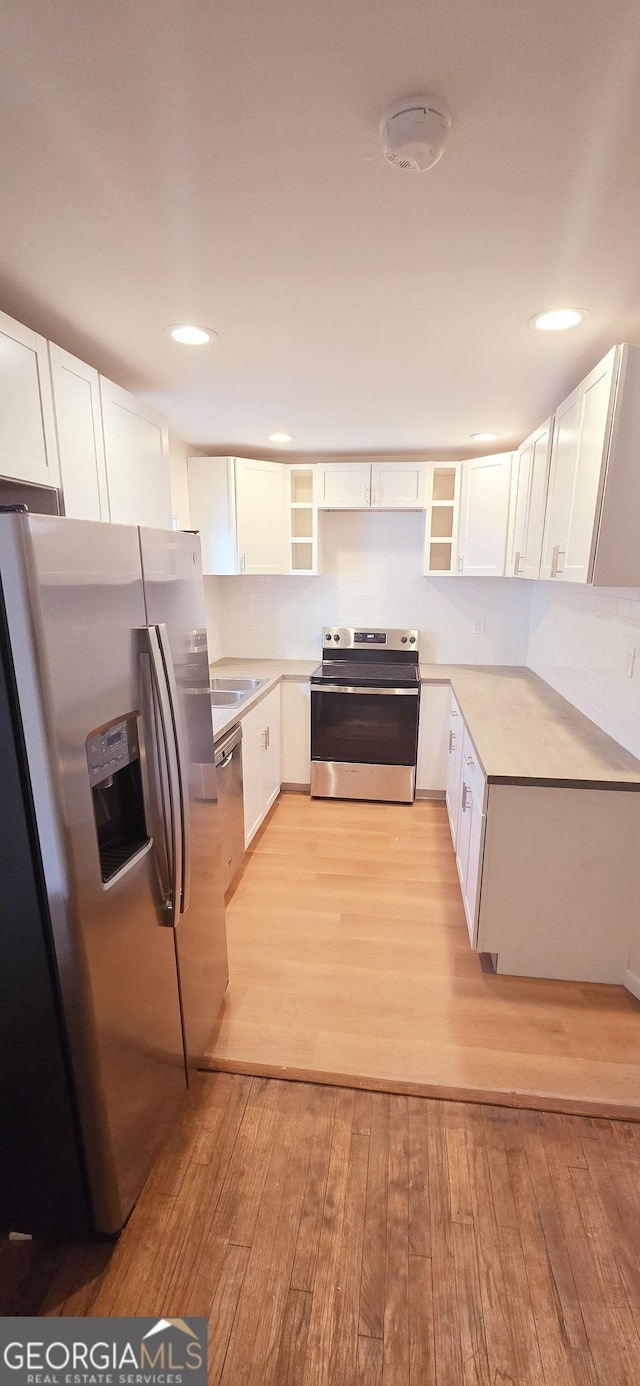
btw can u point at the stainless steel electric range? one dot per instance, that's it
(365, 699)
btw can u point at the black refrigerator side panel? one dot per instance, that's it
(43, 1190)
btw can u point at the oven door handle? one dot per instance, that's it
(380, 692)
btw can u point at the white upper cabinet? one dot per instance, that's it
(260, 516)
(594, 482)
(529, 489)
(78, 415)
(345, 486)
(372, 486)
(484, 515)
(240, 508)
(442, 503)
(27, 430)
(398, 486)
(137, 454)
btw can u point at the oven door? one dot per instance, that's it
(364, 726)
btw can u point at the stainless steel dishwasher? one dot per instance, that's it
(229, 774)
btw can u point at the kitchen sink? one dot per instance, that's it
(228, 697)
(236, 684)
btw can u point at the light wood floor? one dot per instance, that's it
(341, 1238)
(350, 961)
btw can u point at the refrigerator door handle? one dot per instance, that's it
(183, 767)
(175, 836)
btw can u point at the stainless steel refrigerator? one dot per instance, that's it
(113, 958)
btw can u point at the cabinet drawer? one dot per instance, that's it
(472, 772)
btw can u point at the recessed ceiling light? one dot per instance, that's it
(188, 335)
(484, 437)
(281, 437)
(557, 319)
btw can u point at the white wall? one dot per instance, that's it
(581, 641)
(372, 576)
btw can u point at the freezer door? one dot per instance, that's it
(76, 609)
(174, 596)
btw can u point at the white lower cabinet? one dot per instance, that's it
(470, 833)
(433, 735)
(296, 732)
(260, 761)
(454, 769)
(549, 875)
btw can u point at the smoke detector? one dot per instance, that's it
(414, 133)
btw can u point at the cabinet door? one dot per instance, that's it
(596, 391)
(433, 738)
(454, 770)
(261, 516)
(345, 486)
(562, 474)
(472, 828)
(27, 430)
(398, 486)
(531, 554)
(78, 414)
(484, 516)
(530, 482)
(252, 753)
(295, 732)
(271, 778)
(137, 452)
(522, 485)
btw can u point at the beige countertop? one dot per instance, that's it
(523, 731)
(272, 668)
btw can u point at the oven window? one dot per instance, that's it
(364, 728)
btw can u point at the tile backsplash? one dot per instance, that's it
(372, 576)
(585, 641)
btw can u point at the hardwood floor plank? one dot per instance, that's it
(319, 1342)
(375, 1223)
(344, 1330)
(500, 1132)
(396, 1292)
(256, 1335)
(473, 1346)
(293, 1340)
(304, 1266)
(369, 1362)
(447, 1344)
(422, 1362)
(509, 1359)
(223, 1308)
(555, 1245)
(419, 1211)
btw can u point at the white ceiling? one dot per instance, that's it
(217, 161)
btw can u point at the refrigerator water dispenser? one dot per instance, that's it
(115, 775)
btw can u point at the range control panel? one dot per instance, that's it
(112, 747)
(347, 638)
